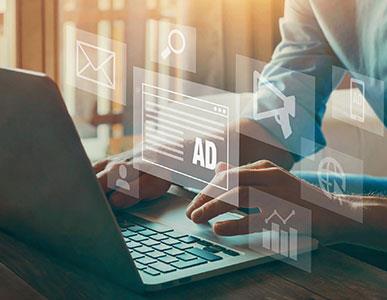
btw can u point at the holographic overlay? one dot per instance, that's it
(279, 100)
(186, 130)
(333, 169)
(362, 104)
(281, 229)
(95, 64)
(176, 47)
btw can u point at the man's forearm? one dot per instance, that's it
(370, 233)
(373, 232)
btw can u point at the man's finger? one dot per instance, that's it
(248, 224)
(245, 175)
(103, 180)
(259, 164)
(262, 172)
(210, 210)
(100, 165)
(242, 176)
(209, 192)
(236, 198)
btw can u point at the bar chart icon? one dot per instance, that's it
(279, 239)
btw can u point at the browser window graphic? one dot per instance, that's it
(183, 134)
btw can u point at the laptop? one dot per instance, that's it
(51, 199)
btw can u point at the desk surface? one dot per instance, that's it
(26, 273)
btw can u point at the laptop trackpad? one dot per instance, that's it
(170, 210)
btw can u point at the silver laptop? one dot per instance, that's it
(51, 199)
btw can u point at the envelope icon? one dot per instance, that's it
(96, 64)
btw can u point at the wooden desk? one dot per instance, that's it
(26, 273)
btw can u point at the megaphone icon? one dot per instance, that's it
(281, 115)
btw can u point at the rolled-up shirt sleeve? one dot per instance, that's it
(303, 53)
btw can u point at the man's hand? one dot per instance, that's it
(264, 176)
(149, 187)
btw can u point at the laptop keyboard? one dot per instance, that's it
(157, 249)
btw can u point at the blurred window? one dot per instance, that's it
(7, 33)
(98, 120)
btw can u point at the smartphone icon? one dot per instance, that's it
(357, 100)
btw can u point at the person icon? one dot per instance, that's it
(121, 182)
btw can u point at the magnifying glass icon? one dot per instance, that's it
(170, 48)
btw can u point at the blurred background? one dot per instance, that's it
(32, 37)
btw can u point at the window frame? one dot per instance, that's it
(37, 36)
(8, 24)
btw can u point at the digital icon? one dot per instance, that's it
(177, 45)
(95, 64)
(121, 181)
(184, 134)
(179, 36)
(281, 115)
(331, 177)
(278, 239)
(357, 100)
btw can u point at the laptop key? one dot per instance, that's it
(174, 252)
(156, 254)
(159, 228)
(146, 260)
(187, 264)
(136, 255)
(182, 246)
(124, 223)
(148, 232)
(144, 249)
(162, 267)
(159, 237)
(162, 247)
(186, 257)
(136, 228)
(138, 238)
(189, 239)
(204, 243)
(168, 259)
(230, 252)
(139, 266)
(171, 242)
(132, 244)
(150, 243)
(214, 249)
(175, 235)
(152, 272)
(128, 233)
(204, 254)
(153, 226)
